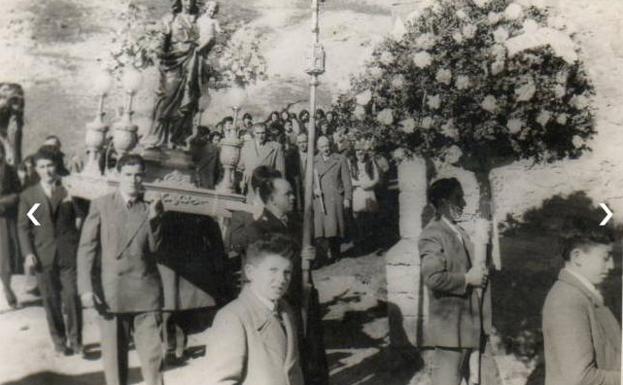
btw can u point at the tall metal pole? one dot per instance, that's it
(315, 366)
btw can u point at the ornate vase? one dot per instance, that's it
(94, 139)
(124, 135)
(229, 157)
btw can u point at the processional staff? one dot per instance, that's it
(315, 367)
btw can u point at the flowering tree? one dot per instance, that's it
(478, 83)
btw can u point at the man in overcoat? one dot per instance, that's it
(118, 246)
(333, 193)
(50, 250)
(259, 152)
(459, 315)
(582, 338)
(254, 339)
(9, 196)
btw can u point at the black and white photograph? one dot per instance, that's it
(311, 192)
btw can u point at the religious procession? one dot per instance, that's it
(287, 192)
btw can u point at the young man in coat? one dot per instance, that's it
(333, 193)
(459, 315)
(582, 338)
(123, 232)
(50, 249)
(9, 196)
(253, 340)
(259, 152)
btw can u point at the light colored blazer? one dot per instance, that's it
(455, 313)
(581, 336)
(270, 154)
(127, 275)
(245, 345)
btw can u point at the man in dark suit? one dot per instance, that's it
(581, 336)
(459, 298)
(296, 159)
(118, 246)
(9, 196)
(50, 248)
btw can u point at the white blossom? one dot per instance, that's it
(543, 118)
(481, 3)
(364, 97)
(562, 119)
(530, 26)
(489, 104)
(375, 71)
(556, 22)
(525, 92)
(462, 82)
(458, 37)
(399, 154)
(513, 11)
(444, 76)
(453, 154)
(500, 35)
(433, 102)
(422, 59)
(427, 122)
(398, 81)
(494, 17)
(469, 31)
(386, 116)
(577, 141)
(580, 102)
(497, 67)
(449, 130)
(514, 125)
(387, 58)
(461, 14)
(498, 51)
(425, 41)
(359, 112)
(407, 125)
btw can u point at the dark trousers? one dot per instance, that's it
(58, 288)
(5, 278)
(451, 365)
(116, 330)
(173, 335)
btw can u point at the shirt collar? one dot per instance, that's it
(589, 285)
(47, 189)
(271, 306)
(127, 199)
(452, 226)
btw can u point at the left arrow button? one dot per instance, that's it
(31, 214)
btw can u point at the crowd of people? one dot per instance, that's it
(108, 257)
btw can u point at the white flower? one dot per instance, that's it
(444, 76)
(514, 126)
(562, 119)
(398, 81)
(543, 118)
(513, 11)
(399, 154)
(462, 82)
(530, 26)
(500, 35)
(425, 41)
(494, 17)
(562, 76)
(458, 37)
(449, 130)
(453, 154)
(375, 71)
(469, 31)
(364, 97)
(427, 122)
(387, 58)
(386, 116)
(489, 104)
(525, 92)
(461, 14)
(497, 67)
(422, 59)
(433, 102)
(559, 91)
(577, 141)
(556, 22)
(407, 125)
(359, 112)
(481, 3)
(498, 51)
(579, 101)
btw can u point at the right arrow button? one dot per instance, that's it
(608, 214)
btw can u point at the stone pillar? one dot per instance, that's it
(406, 305)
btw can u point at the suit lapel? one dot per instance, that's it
(264, 152)
(130, 230)
(266, 325)
(40, 197)
(57, 197)
(463, 246)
